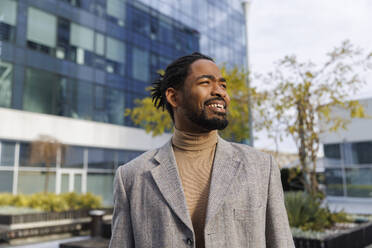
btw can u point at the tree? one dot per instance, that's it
(304, 94)
(157, 121)
(44, 150)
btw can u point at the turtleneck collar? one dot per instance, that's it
(194, 141)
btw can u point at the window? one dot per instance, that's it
(140, 21)
(6, 181)
(101, 158)
(100, 44)
(41, 30)
(25, 157)
(82, 43)
(8, 18)
(42, 92)
(115, 53)
(140, 65)
(358, 182)
(83, 108)
(7, 150)
(6, 72)
(332, 151)
(362, 152)
(35, 182)
(334, 184)
(115, 106)
(101, 184)
(73, 157)
(116, 11)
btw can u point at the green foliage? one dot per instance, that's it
(52, 202)
(305, 212)
(157, 121)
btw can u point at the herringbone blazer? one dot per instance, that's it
(245, 204)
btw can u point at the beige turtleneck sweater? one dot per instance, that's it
(194, 156)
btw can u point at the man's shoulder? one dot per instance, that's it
(140, 163)
(246, 151)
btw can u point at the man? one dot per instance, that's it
(198, 190)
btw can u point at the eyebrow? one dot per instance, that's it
(211, 77)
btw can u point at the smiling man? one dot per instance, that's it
(198, 190)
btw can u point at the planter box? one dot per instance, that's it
(358, 237)
(45, 223)
(13, 219)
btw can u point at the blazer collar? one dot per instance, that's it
(225, 167)
(169, 183)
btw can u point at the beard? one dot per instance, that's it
(202, 120)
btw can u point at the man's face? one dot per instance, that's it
(204, 98)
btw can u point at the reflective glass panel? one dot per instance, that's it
(84, 101)
(6, 75)
(42, 92)
(77, 183)
(362, 152)
(359, 182)
(115, 106)
(141, 65)
(115, 50)
(7, 153)
(101, 158)
(82, 37)
(6, 181)
(333, 182)
(8, 12)
(30, 182)
(100, 44)
(102, 185)
(73, 157)
(41, 27)
(116, 8)
(65, 183)
(25, 157)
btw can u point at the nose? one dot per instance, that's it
(219, 90)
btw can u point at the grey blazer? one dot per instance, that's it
(245, 207)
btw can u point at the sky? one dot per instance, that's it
(308, 29)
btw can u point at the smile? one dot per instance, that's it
(217, 107)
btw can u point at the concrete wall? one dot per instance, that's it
(359, 129)
(27, 126)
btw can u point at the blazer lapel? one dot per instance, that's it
(168, 181)
(225, 168)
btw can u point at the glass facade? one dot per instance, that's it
(91, 60)
(220, 23)
(349, 169)
(79, 169)
(8, 20)
(86, 59)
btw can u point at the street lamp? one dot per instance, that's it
(246, 4)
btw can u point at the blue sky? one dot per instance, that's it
(308, 29)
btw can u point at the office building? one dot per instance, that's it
(70, 68)
(348, 159)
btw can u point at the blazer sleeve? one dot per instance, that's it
(121, 226)
(278, 232)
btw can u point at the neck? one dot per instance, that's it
(194, 141)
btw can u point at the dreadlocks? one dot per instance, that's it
(174, 76)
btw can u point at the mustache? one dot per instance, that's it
(218, 98)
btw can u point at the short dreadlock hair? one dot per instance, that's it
(174, 77)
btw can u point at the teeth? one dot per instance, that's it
(217, 105)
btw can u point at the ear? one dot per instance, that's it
(171, 95)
